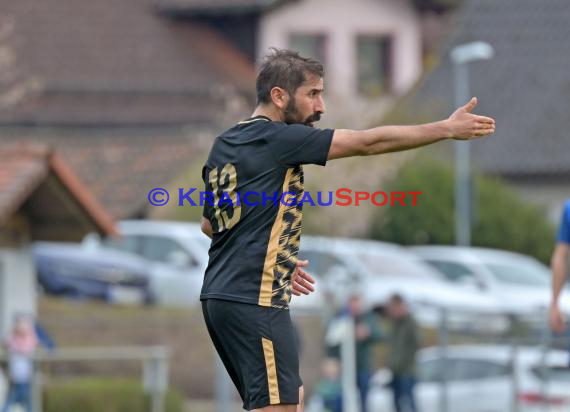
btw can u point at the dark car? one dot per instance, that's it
(75, 270)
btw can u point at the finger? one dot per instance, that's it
(482, 133)
(485, 129)
(470, 105)
(300, 289)
(306, 285)
(303, 282)
(302, 263)
(294, 292)
(306, 276)
(479, 127)
(485, 119)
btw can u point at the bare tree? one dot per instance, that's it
(14, 83)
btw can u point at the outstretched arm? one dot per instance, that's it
(461, 125)
(559, 270)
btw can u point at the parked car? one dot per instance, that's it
(484, 378)
(176, 255)
(67, 269)
(519, 283)
(168, 259)
(378, 269)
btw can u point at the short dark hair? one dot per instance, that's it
(285, 69)
(397, 299)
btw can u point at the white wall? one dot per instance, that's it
(341, 21)
(17, 286)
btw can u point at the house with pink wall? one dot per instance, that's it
(371, 49)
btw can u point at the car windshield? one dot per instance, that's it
(552, 373)
(522, 271)
(390, 265)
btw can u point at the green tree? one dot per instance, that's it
(502, 219)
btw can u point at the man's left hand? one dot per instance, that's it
(302, 282)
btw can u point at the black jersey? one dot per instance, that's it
(255, 173)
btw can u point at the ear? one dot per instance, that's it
(280, 97)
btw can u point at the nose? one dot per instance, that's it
(320, 104)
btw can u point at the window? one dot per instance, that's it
(454, 272)
(473, 369)
(430, 370)
(309, 45)
(396, 266)
(460, 370)
(524, 272)
(125, 243)
(162, 249)
(552, 373)
(374, 65)
(320, 263)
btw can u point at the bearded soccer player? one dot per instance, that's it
(255, 172)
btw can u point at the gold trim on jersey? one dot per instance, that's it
(271, 368)
(289, 240)
(266, 290)
(253, 120)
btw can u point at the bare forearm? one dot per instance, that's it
(559, 268)
(387, 139)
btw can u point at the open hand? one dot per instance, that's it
(465, 125)
(301, 281)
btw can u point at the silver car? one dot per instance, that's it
(519, 283)
(484, 378)
(176, 254)
(378, 269)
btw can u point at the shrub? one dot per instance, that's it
(502, 219)
(109, 395)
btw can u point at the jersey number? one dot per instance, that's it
(226, 180)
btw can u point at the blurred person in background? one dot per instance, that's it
(329, 389)
(403, 340)
(367, 333)
(21, 346)
(559, 265)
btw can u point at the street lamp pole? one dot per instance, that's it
(460, 56)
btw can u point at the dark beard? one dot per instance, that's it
(291, 115)
(315, 117)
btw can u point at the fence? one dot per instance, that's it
(155, 361)
(512, 339)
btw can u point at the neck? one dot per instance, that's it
(271, 112)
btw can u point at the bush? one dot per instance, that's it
(109, 395)
(502, 219)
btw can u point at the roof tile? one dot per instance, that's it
(525, 87)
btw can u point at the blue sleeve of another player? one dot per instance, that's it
(564, 231)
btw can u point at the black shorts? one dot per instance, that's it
(258, 347)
